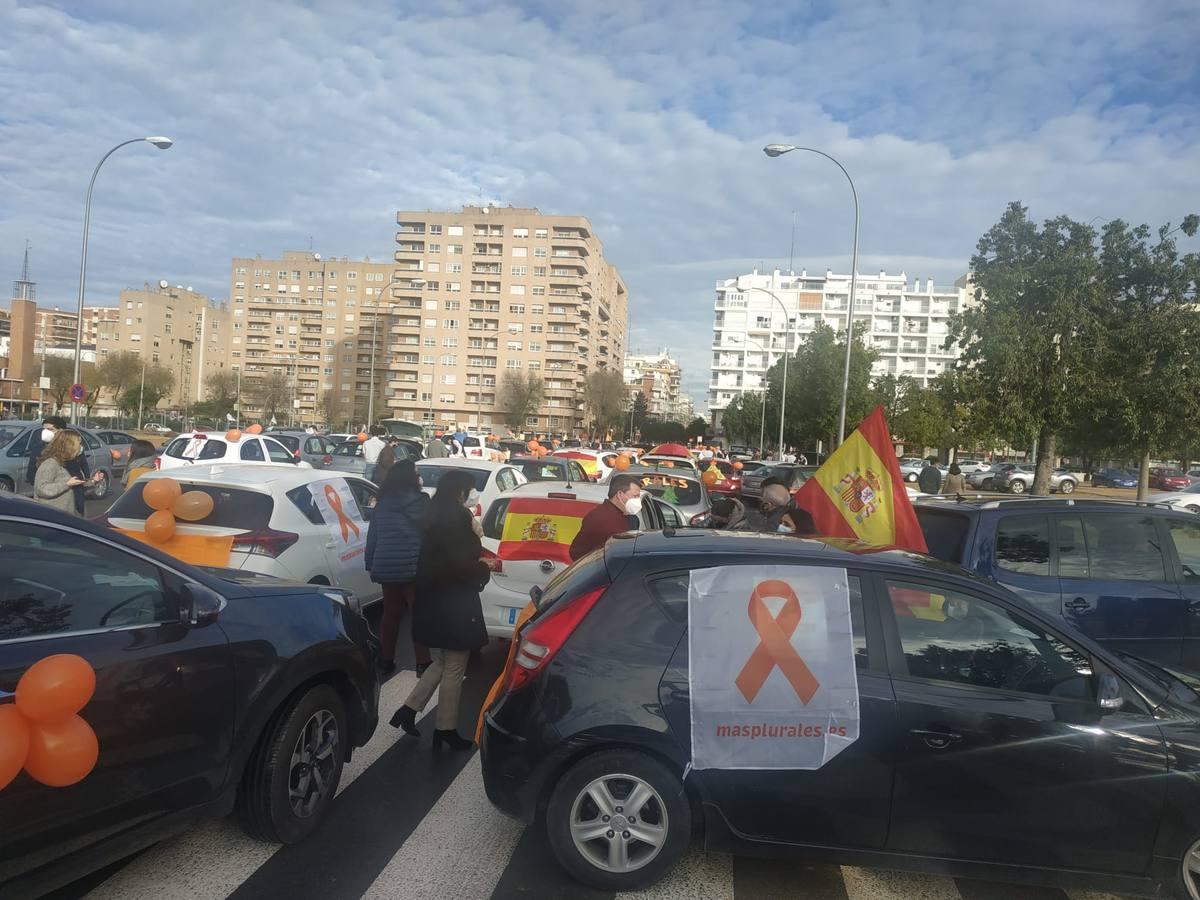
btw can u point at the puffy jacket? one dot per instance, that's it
(394, 538)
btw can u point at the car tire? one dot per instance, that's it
(1192, 507)
(311, 727)
(1066, 486)
(667, 827)
(6, 485)
(911, 477)
(1187, 878)
(1016, 486)
(99, 490)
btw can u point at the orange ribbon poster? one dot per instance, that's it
(771, 666)
(347, 527)
(344, 521)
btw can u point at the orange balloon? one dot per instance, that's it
(160, 527)
(193, 506)
(233, 435)
(621, 463)
(532, 445)
(363, 437)
(737, 466)
(709, 478)
(56, 687)
(254, 429)
(14, 743)
(61, 753)
(161, 493)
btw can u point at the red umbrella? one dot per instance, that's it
(671, 450)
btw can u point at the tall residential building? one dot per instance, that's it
(907, 322)
(489, 290)
(657, 377)
(175, 327)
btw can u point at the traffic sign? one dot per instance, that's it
(78, 392)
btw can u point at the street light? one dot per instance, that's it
(762, 427)
(774, 150)
(416, 283)
(786, 332)
(162, 143)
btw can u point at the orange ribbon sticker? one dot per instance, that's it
(335, 503)
(775, 647)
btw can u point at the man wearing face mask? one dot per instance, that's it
(610, 517)
(40, 440)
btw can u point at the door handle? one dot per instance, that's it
(1077, 605)
(330, 545)
(936, 740)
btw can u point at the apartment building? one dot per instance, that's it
(906, 321)
(658, 378)
(175, 327)
(487, 290)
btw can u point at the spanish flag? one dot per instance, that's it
(859, 492)
(541, 528)
(589, 463)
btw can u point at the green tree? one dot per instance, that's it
(605, 398)
(742, 419)
(272, 393)
(158, 384)
(697, 428)
(118, 371)
(1029, 339)
(61, 372)
(640, 410)
(661, 431)
(221, 399)
(520, 397)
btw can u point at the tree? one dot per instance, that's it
(742, 418)
(605, 398)
(697, 428)
(117, 371)
(158, 384)
(221, 400)
(520, 397)
(1030, 339)
(640, 411)
(271, 393)
(61, 372)
(331, 407)
(661, 431)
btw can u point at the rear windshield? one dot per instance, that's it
(431, 475)
(945, 532)
(196, 448)
(679, 491)
(288, 440)
(232, 507)
(543, 471)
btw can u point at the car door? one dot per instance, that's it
(1184, 551)
(16, 457)
(1114, 584)
(164, 700)
(1018, 556)
(1004, 755)
(251, 450)
(366, 496)
(844, 803)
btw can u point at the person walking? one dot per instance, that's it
(610, 517)
(387, 459)
(393, 549)
(372, 447)
(955, 482)
(448, 615)
(930, 479)
(53, 484)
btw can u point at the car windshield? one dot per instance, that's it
(544, 470)
(232, 507)
(431, 475)
(8, 433)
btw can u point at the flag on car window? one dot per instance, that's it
(859, 492)
(588, 463)
(541, 528)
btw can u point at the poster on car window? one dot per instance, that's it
(339, 509)
(771, 667)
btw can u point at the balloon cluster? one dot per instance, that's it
(737, 465)
(42, 732)
(711, 476)
(233, 435)
(537, 449)
(168, 500)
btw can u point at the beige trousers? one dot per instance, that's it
(447, 670)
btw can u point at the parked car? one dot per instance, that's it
(210, 447)
(910, 467)
(118, 443)
(550, 468)
(1019, 480)
(730, 482)
(491, 479)
(752, 478)
(1166, 479)
(15, 437)
(1188, 499)
(596, 463)
(514, 448)
(314, 449)
(683, 498)
(1120, 478)
(1123, 573)
(967, 466)
(677, 462)
(988, 480)
(512, 578)
(155, 428)
(214, 694)
(792, 474)
(1092, 753)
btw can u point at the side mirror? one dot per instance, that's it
(201, 605)
(1108, 692)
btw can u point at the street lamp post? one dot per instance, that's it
(786, 332)
(762, 426)
(774, 150)
(415, 282)
(162, 143)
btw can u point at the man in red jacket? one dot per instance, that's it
(610, 517)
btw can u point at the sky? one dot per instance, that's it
(310, 124)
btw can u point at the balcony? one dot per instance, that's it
(409, 228)
(411, 247)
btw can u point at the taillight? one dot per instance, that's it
(157, 463)
(264, 542)
(492, 561)
(542, 639)
(327, 460)
(477, 510)
(699, 519)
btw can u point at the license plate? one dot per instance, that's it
(512, 616)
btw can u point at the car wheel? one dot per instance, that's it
(1066, 486)
(99, 490)
(1192, 507)
(618, 820)
(1187, 886)
(6, 485)
(294, 772)
(1016, 486)
(911, 477)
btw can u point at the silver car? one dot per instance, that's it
(348, 457)
(1019, 480)
(314, 449)
(15, 436)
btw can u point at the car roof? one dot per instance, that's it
(282, 475)
(538, 459)
(640, 469)
(462, 462)
(964, 503)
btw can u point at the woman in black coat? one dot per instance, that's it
(448, 615)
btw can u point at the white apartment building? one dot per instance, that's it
(906, 321)
(658, 377)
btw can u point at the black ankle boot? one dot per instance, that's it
(406, 717)
(451, 739)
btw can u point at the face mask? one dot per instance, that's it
(783, 529)
(473, 498)
(633, 506)
(48, 435)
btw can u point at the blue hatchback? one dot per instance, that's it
(1118, 478)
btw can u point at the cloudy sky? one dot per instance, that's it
(299, 123)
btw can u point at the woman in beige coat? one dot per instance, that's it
(53, 483)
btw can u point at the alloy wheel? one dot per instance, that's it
(1191, 871)
(314, 760)
(619, 823)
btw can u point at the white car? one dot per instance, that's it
(1188, 499)
(155, 428)
(213, 447)
(491, 478)
(597, 463)
(304, 525)
(507, 591)
(680, 462)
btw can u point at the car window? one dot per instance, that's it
(683, 491)
(176, 447)
(18, 447)
(670, 517)
(577, 473)
(55, 581)
(1023, 544)
(212, 450)
(959, 638)
(364, 495)
(431, 475)
(8, 433)
(314, 445)
(1186, 536)
(1109, 548)
(302, 499)
(278, 452)
(232, 507)
(945, 532)
(89, 441)
(349, 448)
(252, 451)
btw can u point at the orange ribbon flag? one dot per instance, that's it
(335, 503)
(775, 648)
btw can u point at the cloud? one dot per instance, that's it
(298, 122)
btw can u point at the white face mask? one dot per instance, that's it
(473, 498)
(783, 529)
(633, 506)
(48, 435)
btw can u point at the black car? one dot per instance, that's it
(993, 743)
(212, 695)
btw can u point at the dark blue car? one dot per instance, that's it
(1118, 478)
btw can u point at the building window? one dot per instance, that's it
(435, 267)
(539, 252)
(453, 305)
(454, 230)
(435, 248)
(512, 364)
(450, 342)
(539, 290)
(516, 232)
(514, 345)
(534, 364)
(540, 234)
(517, 309)
(536, 328)
(453, 268)
(519, 270)
(454, 287)
(517, 290)
(531, 420)
(450, 324)
(519, 252)
(435, 229)
(431, 323)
